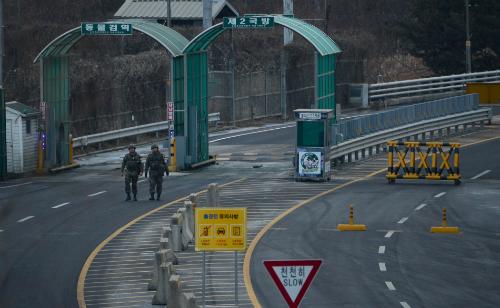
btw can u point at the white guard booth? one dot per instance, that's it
(22, 138)
(312, 158)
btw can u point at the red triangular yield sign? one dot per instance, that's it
(293, 277)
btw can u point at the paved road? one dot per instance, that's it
(417, 268)
(50, 225)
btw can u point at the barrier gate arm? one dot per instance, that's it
(433, 172)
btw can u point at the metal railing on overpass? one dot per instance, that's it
(130, 131)
(442, 118)
(428, 85)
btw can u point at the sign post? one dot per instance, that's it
(221, 229)
(293, 278)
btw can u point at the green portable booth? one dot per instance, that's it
(312, 158)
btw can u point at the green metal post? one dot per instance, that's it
(56, 95)
(325, 83)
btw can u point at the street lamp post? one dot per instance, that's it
(467, 43)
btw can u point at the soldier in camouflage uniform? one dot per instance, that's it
(156, 165)
(133, 167)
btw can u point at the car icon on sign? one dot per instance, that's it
(221, 231)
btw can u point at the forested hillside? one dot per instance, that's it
(113, 79)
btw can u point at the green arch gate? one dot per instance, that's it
(189, 72)
(54, 80)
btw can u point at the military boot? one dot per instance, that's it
(158, 198)
(152, 197)
(135, 197)
(128, 197)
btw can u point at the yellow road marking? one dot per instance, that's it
(248, 255)
(81, 280)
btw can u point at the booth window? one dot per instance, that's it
(310, 134)
(28, 126)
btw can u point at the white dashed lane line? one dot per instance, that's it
(101, 192)
(58, 206)
(381, 249)
(382, 267)
(390, 286)
(439, 195)
(405, 305)
(24, 219)
(17, 185)
(418, 208)
(403, 220)
(262, 131)
(480, 174)
(389, 234)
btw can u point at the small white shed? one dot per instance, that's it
(22, 138)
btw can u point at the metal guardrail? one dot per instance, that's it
(428, 85)
(413, 129)
(363, 125)
(130, 131)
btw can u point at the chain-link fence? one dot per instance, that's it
(258, 94)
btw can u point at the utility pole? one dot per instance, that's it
(3, 122)
(467, 43)
(207, 14)
(169, 15)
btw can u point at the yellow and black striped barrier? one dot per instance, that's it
(433, 172)
(351, 226)
(444, 229)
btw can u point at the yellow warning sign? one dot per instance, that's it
(219, 229)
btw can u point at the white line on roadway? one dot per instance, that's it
(101, 192)
(480, 174)
(389, 234)
(382, 267)
(58, 206)
(17, 185)
(381, 249)
(1, 230)
(439, 195)
(405, 305)
(390, 286)
(141, 181)
(403, 220)
(24, 219)
(420, 207)
(261, 131)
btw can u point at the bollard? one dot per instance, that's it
(163, 293)
(213, 195)
(186, 232)
(177, 238)
(351, 226)
(175, 289)
(70, 148)
(190, 216)
(178, 242)
(444, 229)
(160, 258)
(188, 300)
